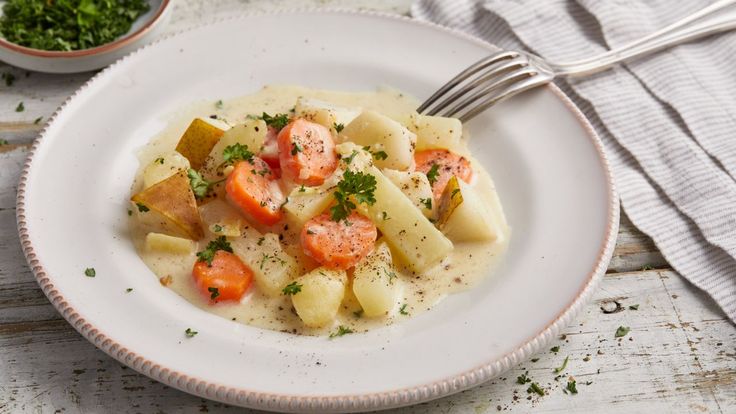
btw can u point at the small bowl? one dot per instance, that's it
(144, 29)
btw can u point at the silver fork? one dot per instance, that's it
(507, 73)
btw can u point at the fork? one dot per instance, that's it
(508, 73)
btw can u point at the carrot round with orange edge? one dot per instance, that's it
(338, 244)
(225, 278)
(440, 165)
(252, 187)
(307, 152)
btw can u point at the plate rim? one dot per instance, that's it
(337, 403)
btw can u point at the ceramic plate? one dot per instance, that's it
(551, 174)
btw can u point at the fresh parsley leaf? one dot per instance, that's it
(427, 202)
(634, 307)
(433, 173)
(564, 364)
(535, 388)
(20, 107)
(128, 290)
(200, 186)
(523, 379)
(555, 349)
(190, 333)
(622, 331)
(402, 309)
(379, 155)
(341, 330)
(338, 127)
(142, 208)
(278, 121)
(237, 152)
(90, 272)
(358, 185)
(572, 387)
(350, 158)
(208, 254)
(296, 148)
(292, 288)
(214, 292)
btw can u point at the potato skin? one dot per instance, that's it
(197, 142)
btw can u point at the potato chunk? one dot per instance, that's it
(436, 131)
(272, 267)
(324, 113)
(382, 133)
(251, 133)
(375, 282)
(169, 207)
(304, 203)
(197, 141)
(416, 187)
(168, 244)
(322, 291)
(221, 219)
(163, 167)
(463, 216)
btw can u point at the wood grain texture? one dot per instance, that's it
(680, 355)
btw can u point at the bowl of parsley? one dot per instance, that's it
(68, 36)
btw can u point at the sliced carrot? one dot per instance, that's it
(228, 278)
(307, 152)
(252, 187)
(448, 164)
(338, 245)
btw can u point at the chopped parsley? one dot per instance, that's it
(217, 228)
(385, 216)
(634, 307)
(37, 120)
(349, 159)
(535, 359)
(391, 276)
(338, 127)
(200, 186)
(433, 173)
(90, 272)
(535, 388)
(379, 155)
(130, 212)
(20, 107)
(214, 292)
(273, 259)
(159, 160)
(358, 185)
(622, 331)
(9, 78)
(278, 121)
(402, 310)
(341, 331)
(296, 148)
(219, 104)
(523, 379)
(213, 246)
(427, 202)
(3, 142)
(190, 333)
(66, 25)
(564, 364)
(292, 288)
(555, 349)
(128, 290)
(454, 192)
(302, 189)
(236, 152)
(260, 241)
(142, 208)
(572, 387)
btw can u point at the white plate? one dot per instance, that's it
(146, 28)
(548, 165)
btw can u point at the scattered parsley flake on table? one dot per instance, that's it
(90, 272)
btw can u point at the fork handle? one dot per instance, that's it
(707, 21)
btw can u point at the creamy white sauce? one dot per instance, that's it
(467, 265)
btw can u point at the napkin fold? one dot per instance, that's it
(667, 121)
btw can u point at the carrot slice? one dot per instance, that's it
(447, 164)
(338, 245)
(252, 187)
(307, 152)
(228, 278)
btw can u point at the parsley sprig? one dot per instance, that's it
(358, 185)
(277, 121)
(237, 152)
(341, 331)
(433, 173)
(200, 186)
(292, 289)
(208, 253)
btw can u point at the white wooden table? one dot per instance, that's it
(680, 355)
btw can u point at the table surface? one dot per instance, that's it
(679, 356)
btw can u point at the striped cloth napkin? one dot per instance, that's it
(668, 122)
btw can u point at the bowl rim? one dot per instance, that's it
(360, 402)
(101, 49)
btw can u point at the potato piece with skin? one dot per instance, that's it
(375, 282)
(324, 113)
(272, 267)
(170, 208)
(163, 167)
(463, 217)
(436, 131)
(416, 187)
(251, 133)
(382, 133)
(157, 242)
(198, 140)
(321, 294)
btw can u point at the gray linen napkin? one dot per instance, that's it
(668, 122)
